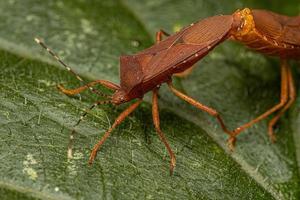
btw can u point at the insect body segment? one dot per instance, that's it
(270, 33)
(261, 30)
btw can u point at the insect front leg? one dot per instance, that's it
(155, 115)
(75, 91)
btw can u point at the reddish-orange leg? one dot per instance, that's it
(292, 98)
(105, 83)
(118, 121)
(185, 73)
(159, 35)
(155, 115)
(200, 106)
(286, 88)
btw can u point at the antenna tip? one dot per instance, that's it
(37, 40)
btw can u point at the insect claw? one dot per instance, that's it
(171, 171)
(272, 136)
(231, 143)
(172, 165)
(92, 157)
(62, 89)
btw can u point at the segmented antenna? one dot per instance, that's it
(72, 135)
(67, 67)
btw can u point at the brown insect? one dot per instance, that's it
(264, 31)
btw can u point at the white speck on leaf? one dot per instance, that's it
(135, 43)
(28, 169)
(11, 2)
(86, 26)
(47, 83)
(72, 167)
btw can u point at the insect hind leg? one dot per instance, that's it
(292, 98)
(280, 105)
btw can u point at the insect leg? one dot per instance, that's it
(283, 100)
(292, 98)
(71, 141)
(185, 73)
(155, 115)
(159, 35)
(105, 83)
(200, 106)
(118, 121)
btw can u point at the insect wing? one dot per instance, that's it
(277, 27)
(194, 42)
(291, 31)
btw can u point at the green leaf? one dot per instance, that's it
(36, 119)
